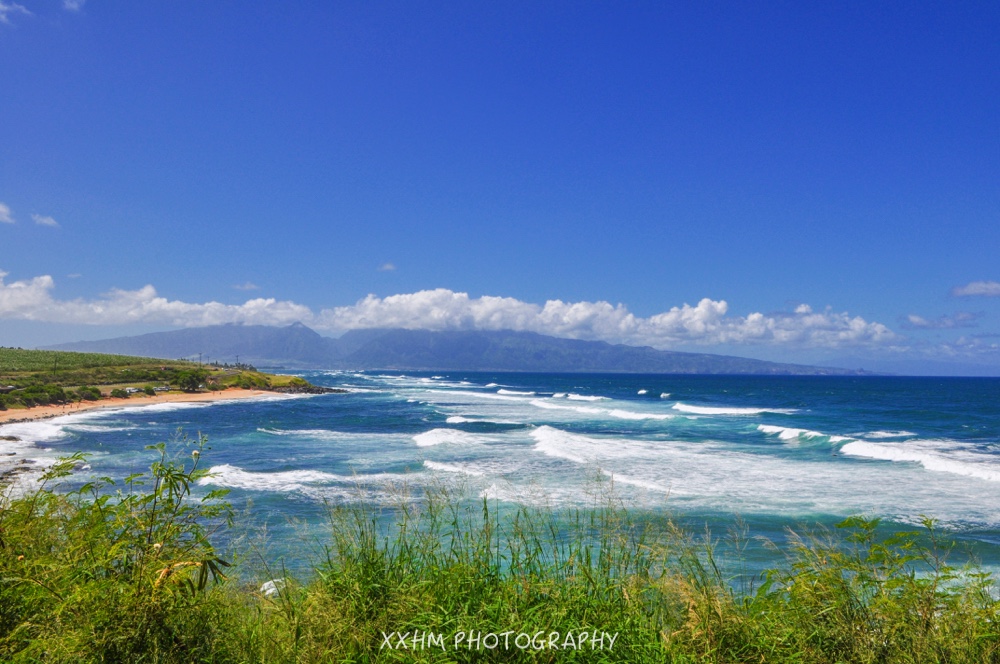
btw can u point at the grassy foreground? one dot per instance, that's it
(128, 573)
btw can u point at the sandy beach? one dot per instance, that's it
(44, 412)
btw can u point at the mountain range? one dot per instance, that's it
(299, 347)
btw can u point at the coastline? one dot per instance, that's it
(13, 416)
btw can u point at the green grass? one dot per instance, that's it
(128, 573)
(13, 360)
(36, 375)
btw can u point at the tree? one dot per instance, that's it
(191, 381)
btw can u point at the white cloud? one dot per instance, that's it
(11, 8)
(42, 220)
(32, 300)
(73, 5)
(960, 319)
(386, 267)
(987, 288)
(706, 323)
(5, 215)
(248, 285)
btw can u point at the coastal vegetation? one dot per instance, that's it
(38, 377)
(129, 571)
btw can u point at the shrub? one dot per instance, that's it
(119, 393)
(148, 390)
(89, 393)
(112, 573)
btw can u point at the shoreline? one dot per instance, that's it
(15, 416)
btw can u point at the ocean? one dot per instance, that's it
(772, 454)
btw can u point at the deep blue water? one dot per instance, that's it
(776, 452)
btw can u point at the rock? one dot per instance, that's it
(272, 588)
(308, 389)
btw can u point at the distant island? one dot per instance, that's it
(299, 347)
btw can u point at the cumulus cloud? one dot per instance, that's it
(31, 299)
(42, 220)
(7, 8)
(5, 215)
(706, 323)
(961, 319)
(986, 288)
(386, 267)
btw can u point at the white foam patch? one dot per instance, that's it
(453, 468)
(461, 419)
(714, 410)
(888, 434)
(445, 436)
(333, 436)
(515, 393)
(631, 415)
(941, 456)
(664, 395)
(791, 433)
(619, 478)
(539, 403)
(492, 385)
(39, 431)
(642, 392)
(479, 395)
(584, 397)
(289, 481)
(97, 428)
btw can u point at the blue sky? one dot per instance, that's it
(805, 183)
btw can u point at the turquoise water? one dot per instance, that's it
(775, 452)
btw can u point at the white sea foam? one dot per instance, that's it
(888, 434)
(492, 385)
(642, 392)
(631, 415)
(714, 410)
(619, 478)
(311, 482)
(39, 431)
(583, 397)
(791, 433)
(97, 428)
(453, 468)
(540, 403)
(942, 456)
(461, 419)
(479, 395)
(559, 395)
(442, 436)
(664, 395)
(329, 435)
(561, 444)
(515, 393)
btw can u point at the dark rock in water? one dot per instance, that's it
(308, 389)
(12, 439)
